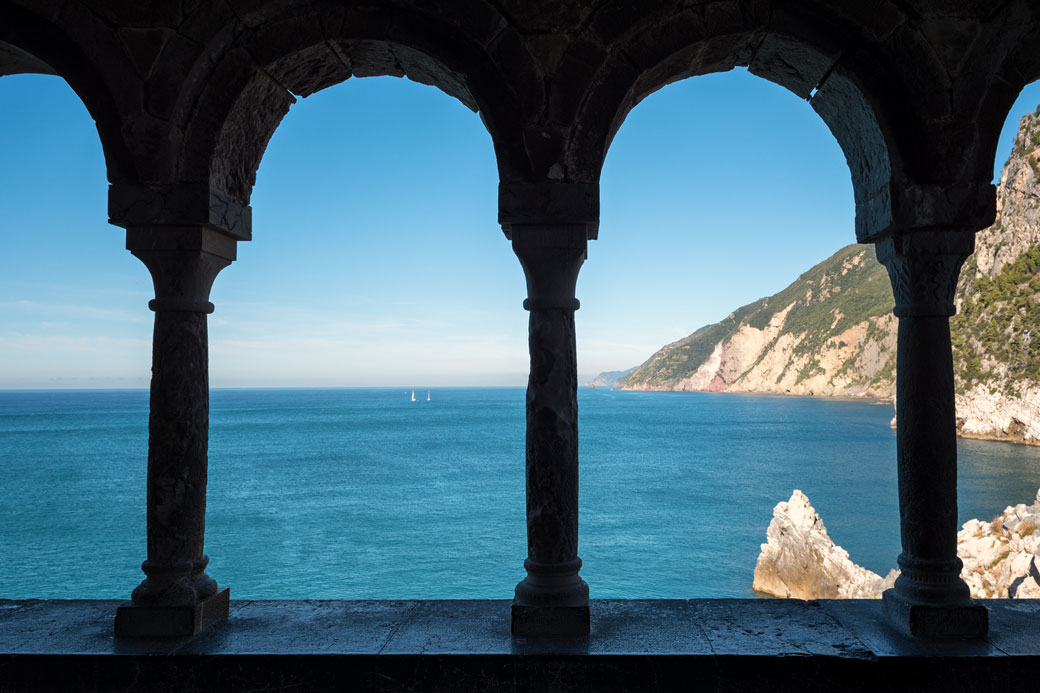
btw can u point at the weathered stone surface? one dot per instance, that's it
(243, 136)
(178, 205)
(967, 206)
(462, 645)
(161, 621)
(928, 619)
(178, 435)
(800, 561)
(552, 438)
(924, 267)
(549, 203)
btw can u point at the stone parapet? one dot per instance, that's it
(462, 645)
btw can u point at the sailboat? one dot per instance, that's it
(413, 395)
(427, 395)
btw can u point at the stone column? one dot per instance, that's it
(552, 600)
(177, 598)
(929, 598)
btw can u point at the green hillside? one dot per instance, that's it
(992, 333)
(844, 290)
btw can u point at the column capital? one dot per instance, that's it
(183, 262)
(549, 203)
(551, 255)
(179, 204)
(907, 207)
(923, 267)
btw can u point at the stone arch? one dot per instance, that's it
(1019, 67)
(31, 44)
(282, 50)
(816, 58)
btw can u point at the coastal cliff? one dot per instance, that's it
(1001, 557)
(996, 358)
(832, 332)
(610, 378)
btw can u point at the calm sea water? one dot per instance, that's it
(361, 493)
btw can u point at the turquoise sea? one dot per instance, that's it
(363, 493)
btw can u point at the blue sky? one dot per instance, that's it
(377, 259)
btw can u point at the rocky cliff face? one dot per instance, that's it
(1001, 557)
(831, 332)
(996, 358)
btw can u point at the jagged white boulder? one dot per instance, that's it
(1001, 557)
(799, 560)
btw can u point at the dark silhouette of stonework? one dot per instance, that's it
(187, 93)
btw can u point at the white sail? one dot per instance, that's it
(427, 395)
(413, 395)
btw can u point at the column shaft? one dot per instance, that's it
(552, 439)
(927, 460)
(178, 438)
(929, 598)
(552, 600)
(177, 598)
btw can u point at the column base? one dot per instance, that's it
(172, 621)
(550, 621)
(970, 620)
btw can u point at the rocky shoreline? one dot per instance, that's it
(800, 561)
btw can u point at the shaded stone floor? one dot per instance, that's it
(635, 645)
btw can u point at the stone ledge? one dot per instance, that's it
(466, 645)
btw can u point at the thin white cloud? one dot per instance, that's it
(74, 310)
(42, 344)
(307, 360)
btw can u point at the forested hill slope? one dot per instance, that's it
(829, 333)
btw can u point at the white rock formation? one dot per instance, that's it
(799, 560)
(993, 413)
(1001, 558)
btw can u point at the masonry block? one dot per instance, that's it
(171, 621)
